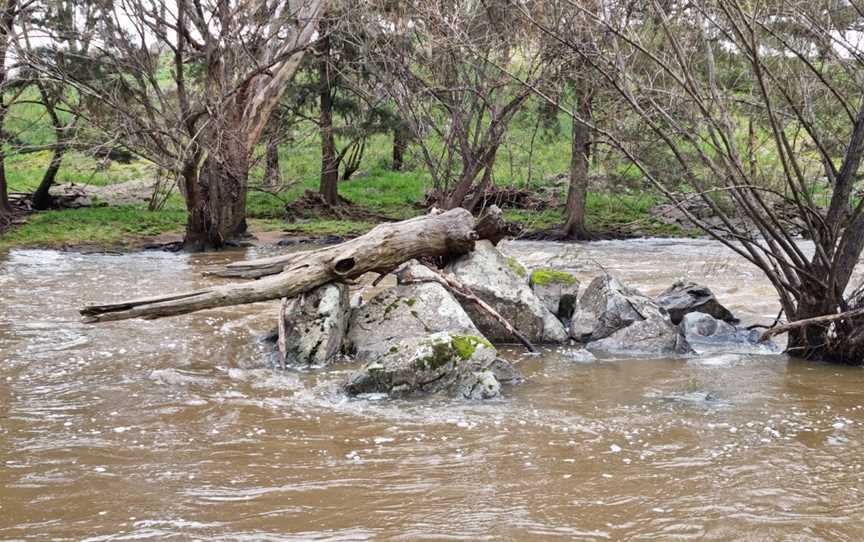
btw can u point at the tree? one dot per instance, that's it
(8, 14)
(230, 64)
(338, 95)
(445, 65)
(578, 81)
(691, 73)
(70, 35)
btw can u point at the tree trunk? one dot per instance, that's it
(216, 195)
(272, 173)
(329, 183)
(400, 144)
(5, 207)
(7, 17)
(42, 199)
(382, 250)
(574, 226)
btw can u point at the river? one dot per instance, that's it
(178, 429)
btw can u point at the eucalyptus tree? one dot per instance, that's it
(191, 85)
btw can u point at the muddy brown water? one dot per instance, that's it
(177, 429)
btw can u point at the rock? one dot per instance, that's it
(686, 297)
(581, 355)
(708, 334)
(500, 282)
(557, 290)
(614, 318)
(406, 311)
(315, 324)
(458, 365)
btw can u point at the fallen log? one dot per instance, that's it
(382, 249)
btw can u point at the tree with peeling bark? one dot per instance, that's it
(798, 59)
(230, 64)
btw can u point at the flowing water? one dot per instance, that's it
(179, 429)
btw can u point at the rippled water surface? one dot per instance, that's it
(178, 429)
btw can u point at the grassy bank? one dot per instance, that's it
(130, 225)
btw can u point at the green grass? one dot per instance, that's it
(24, 171)
(320, 227)
(102, 226)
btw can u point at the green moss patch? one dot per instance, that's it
(516, 267)
(545, 276)
(466, 345)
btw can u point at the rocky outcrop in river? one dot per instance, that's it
(615, 318)
(406, 311)
(707, 334)
(416, 338)
(557, 290)
(313, 325)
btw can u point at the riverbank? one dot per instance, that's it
(132, 226)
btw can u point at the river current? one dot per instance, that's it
(178, 429)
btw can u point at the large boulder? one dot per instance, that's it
(557, 290)
(707, 334)
(500, 282)
(463, 366)
(314, 325)
(686, 297)
(406, 311)
(614, 318)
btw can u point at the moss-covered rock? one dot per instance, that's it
(558, 290)
(405, 312)
(458, 365)
(466, 345)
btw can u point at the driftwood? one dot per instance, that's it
(382, 249)
(777, 330)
